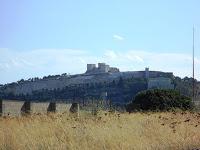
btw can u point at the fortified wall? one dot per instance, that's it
(161, 83)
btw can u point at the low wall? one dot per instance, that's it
(39, 108)
(63, 108)
(11, 108)
(18, 108)
(197, 104)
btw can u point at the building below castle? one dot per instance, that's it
(101, 68)
(160, 83)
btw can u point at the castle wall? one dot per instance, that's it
(113, 69)
(133, 74)
(154, 74)
(161, 83)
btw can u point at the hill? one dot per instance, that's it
(119, 87)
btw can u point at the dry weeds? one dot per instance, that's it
(148, 131)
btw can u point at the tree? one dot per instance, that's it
(159, 99)
(121, 82)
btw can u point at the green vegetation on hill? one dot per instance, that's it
(159, 99)
(118, 91)
(185, 86)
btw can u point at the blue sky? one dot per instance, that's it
(39, 38)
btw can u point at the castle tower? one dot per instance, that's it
(147, 73)
(91, 67)
(103, 67)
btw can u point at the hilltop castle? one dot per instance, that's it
(94, 75)
(102, 68)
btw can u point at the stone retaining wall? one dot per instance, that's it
(18, 108)
(60, 108)
(11, 108)
(39, 108)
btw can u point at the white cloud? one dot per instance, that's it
(111, 54)
(119, 56)
(118, 37)
(179, 63)
(26, 64)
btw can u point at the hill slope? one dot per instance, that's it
(119, 87)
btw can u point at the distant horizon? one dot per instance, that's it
(40, 38)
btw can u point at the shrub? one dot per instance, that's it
(159, 99)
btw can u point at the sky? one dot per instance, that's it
(48, 37)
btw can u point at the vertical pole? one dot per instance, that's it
(193, 93)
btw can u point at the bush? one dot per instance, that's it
(159, 99)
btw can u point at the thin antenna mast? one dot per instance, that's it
(193, 93)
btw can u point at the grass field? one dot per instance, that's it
(148, 131)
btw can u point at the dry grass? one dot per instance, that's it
(105, 131)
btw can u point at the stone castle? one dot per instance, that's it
(102, 68)
(92, 69)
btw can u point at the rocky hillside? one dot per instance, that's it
(119, 87)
